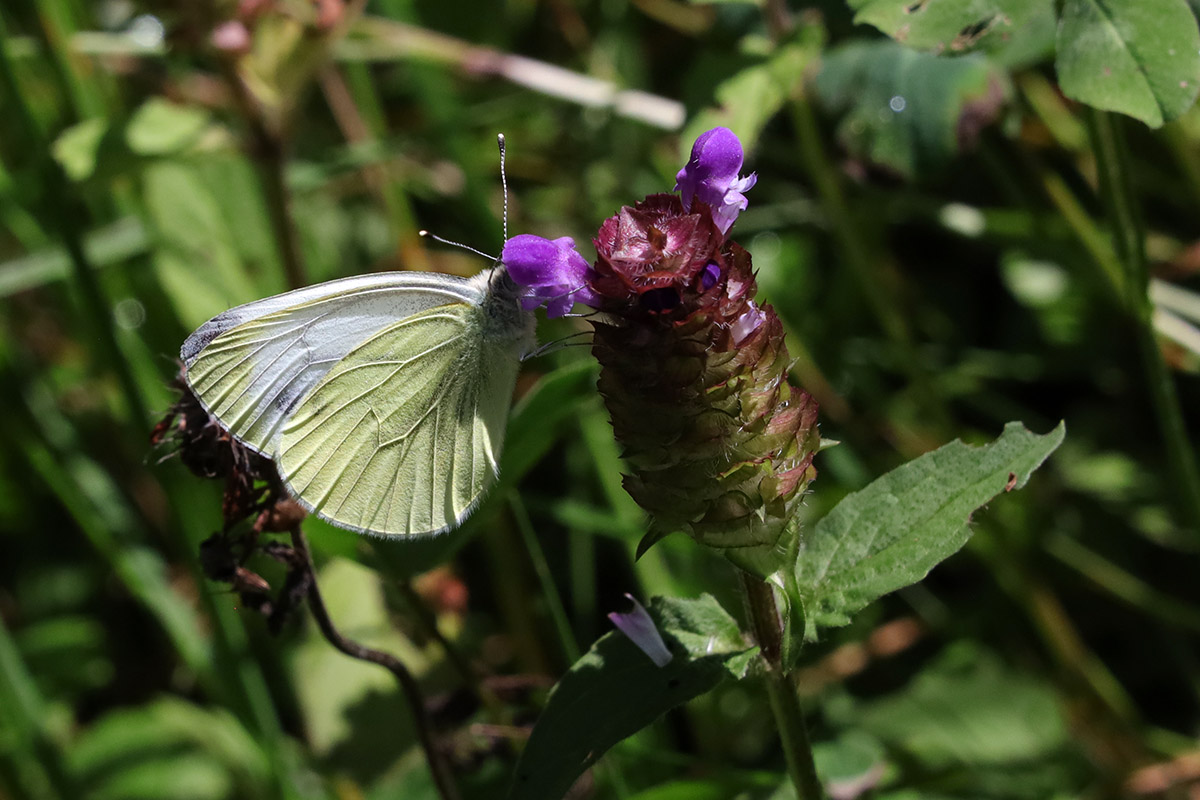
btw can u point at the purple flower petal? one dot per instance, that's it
(750, 321)
(550, 271)
(640, 629)
(711, 176)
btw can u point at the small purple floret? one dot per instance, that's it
(551, 272)
(749, 322)
(640, 629)
(709, 276)
(711, 176)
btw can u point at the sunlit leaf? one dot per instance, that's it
(1139, 58)
(1011, 31)
(892, 533)
(160, 127)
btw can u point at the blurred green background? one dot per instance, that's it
(928, 228)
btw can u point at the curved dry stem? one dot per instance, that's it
(442, 774)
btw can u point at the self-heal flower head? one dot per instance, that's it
(641, 630)
(711, 176)
(550, 271)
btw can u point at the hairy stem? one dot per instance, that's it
(785, 702)
(442, 775)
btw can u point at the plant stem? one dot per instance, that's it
(872, 270)
(785, 702)
(558, 613)
(442, 775)
(60, 210)
(268, 150)
(1112, 163)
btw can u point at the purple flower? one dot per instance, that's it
(745, 325)
(640, 629)
(551, 272)
(711, 176)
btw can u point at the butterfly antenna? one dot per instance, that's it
(503, 182)
(559, 344)
(436, 238)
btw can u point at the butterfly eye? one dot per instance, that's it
(660, 301)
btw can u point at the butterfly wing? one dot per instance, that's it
(403, 435)
(251, 365)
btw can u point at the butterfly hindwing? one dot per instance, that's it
(251, 365)
(403, 434)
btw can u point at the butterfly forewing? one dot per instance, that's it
(251, 365)
(403, 434)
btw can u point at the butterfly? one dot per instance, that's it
(382, 398)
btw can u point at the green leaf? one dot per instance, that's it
(112, 244)
(615, 690)
(892, 533)
(968, 708)
(78, 147)
(910, 111)
(329, 685)
(168, 749)
(160, 127)
(748, 100)
(196, 260)
(1139, 58)
(1013, 32)
(538, 418)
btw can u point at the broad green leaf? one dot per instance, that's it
(1013, 32)
(892, 533)
(537, 418)
(615, 690)
(910, 111)
(1139, 58)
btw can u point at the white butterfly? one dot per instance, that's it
(382, 399)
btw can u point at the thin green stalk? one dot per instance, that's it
(1123, 584)
(1112, 163)
(541, 568)
(268, 151)
(272, 161)
(877, 285)
(785, 701)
